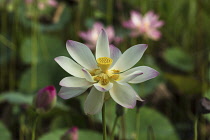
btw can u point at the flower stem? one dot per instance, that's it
(21, 131)
(34, 128)
(104, 122)
(196, 128)
(113, 128)
(123, 127)
(137, 123)
(150, 133)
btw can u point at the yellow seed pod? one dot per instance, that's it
(104, 63)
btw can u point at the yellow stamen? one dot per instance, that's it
(95, 72)
(104, 79)
(104, 63)
(115, 71)
(97, 78)
(115, 76)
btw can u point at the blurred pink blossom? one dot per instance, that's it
(91, 35)
(42, 4)
(146, 25)
(52, 3)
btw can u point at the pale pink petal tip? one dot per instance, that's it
(101, 88)
(132, 106)
(56, 58)
(69, 42)
(156, 73)
(144, 45)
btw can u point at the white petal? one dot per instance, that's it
(129, 77)
(102, 46)
(123, 95)
(81, 54)
(130, 57)
(115, 53)
(137, 97)
(70, 66)
(87, 75)
(74, 82)
(70, 92)
(103, 88)
(148, 73)
(94, 101)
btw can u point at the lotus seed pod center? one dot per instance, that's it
(104, 63)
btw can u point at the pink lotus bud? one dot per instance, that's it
(71, 134)
(45, 99)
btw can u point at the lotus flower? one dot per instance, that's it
(91, 35)
(146, 25)
(71, 134)
(107, 73)
(45, 99)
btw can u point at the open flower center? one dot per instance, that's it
(103, 75)
(104, 63)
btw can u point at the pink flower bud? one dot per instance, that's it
(71, 134)
(45, 99)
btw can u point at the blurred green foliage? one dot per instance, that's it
(4, 133)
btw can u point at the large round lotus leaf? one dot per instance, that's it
(15, 98)
(42, 48)
(83, 135)
(151, 120)
(36, 78)
(4, 133)
(53, 135)
(88, 134)
(179, 59)
(41, 75)
(184, 83)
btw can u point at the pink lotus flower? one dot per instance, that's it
(91, 35)
(71, 134)
(146, 25)
(45, 99)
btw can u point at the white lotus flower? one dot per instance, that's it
(108, 73)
